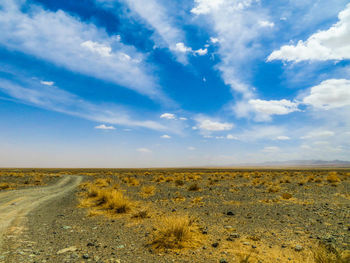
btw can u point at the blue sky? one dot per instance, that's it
(132, 83)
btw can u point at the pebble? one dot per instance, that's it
(233, 236)
(230, 213)
(216, 244)
(86, 256)
(298, 248)
(246, 243)
(68, 249)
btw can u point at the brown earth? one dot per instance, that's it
(271, 215)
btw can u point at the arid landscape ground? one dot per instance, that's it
(175, 215)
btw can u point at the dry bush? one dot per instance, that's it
(194, 187)
(333, 177)
(116, 201)
(131, 181)
(103, 182)
(179, 182)
(169, 179)
(329, 254)
(176, 232)
(141, 214)
(159, 179)
(197, 201)
(286, 196)
(92, 190)
(147, 191)
(273, 189)
(4, 186)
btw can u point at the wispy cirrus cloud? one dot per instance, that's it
(65, 41)
(104, 127)
(55, 99)
(156, 16)
(236, 47)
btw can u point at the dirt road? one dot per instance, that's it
(15, 205)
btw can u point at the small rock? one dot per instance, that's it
(216, 244)
(253, 246)
(233, 236)
(298, 248)
(90, 244)
(68, 249)
(230, 213)
(86, 256)
(246, 243)
(66, 227)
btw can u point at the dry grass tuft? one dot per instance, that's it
(141, 214)
(147, 191)
(194, 187)
(329, 254)
(176, 232)
(273, 189)
(286, 196)
(333, 177)
(105, 199)
(117, 202)
(179, 182)
(4, 186)
(103, 182)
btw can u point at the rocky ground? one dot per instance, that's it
(271, 215)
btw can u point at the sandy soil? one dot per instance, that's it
(15, 205)
(240, 213)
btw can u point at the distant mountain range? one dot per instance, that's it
(302, 163)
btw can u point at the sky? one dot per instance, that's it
(160, 83)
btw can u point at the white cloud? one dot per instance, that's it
(63, 40)
(32, 93)
(190, 148)
(274, 107)
(205, 124)
(329, 94)
(231, 137)
(168, 116)
(183, 119)
(143, 150)
(214, 40)
(165, 136)
(318, 134)
(236, 26)
(156, 15)
(331, 44)
(271, 149)
(260, 132)
(104, 127)
(102, 50)
(180, 47)
(47, 83)
(305, 147)
(282, 138)
(201, 52)
(264, 23)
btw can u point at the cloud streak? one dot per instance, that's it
(81, 47)
(55, 99)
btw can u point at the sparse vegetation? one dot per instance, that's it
(233, 206)
(328, 254)
(176, 232)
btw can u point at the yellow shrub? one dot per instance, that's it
(176, 232)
